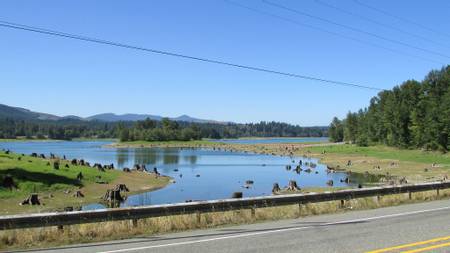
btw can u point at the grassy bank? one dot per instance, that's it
(56, 187)
(47, 237)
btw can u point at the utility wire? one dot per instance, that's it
(201, 59)
(295, 22)
(379, 23)
(353, 28)
(401, 18)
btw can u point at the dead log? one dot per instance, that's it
(237, 195)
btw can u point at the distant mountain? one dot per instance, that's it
(25, 114)
(111, 117)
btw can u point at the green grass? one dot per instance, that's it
(34, 175)
(384, 152)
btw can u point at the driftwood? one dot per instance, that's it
(33, 199)
(237, 195)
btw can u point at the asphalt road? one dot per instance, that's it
(423, 227)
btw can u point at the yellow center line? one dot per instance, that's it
(411, 245)
(428, 248)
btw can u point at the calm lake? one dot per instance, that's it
(274, 140)
(200, 174)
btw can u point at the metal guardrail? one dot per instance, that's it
(135, 213)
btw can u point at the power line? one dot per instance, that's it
(201, 59)
(330, 32)
(401, 18)
(379, 23)
(353, 28)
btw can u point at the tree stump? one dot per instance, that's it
(113, 195)
(78, 194)
(276, 188)
(33, 199)
(121, 188)
(293, 186)
(8, 182)
(80, 176)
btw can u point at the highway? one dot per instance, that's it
(422, 227)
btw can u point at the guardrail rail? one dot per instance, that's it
(134, 213)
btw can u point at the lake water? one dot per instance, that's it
(200, 174)
(274, 140)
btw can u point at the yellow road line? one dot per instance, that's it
(428, 248)
(411, 245)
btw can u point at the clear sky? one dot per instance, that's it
(67, 77)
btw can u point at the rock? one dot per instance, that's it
(236, 195)
(33, 199)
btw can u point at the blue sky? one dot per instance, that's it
(67, 77)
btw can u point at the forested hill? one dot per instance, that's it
(18, 122)
(412, 115)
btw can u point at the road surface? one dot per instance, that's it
(423, 227)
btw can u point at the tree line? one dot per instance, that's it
(412, 115)
(149, 130)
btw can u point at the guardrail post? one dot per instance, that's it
(342, 205)
(410, 195)
(199, 217)
(253, 212)
(134, 223)
(437, 191)
(299, 209)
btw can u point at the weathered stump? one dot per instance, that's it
(8, 182)
(276, 188)
(33, 199)
(330, 182)
(78, 194)
(293, 186)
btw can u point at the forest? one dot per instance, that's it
(412, 115)
(149, 130)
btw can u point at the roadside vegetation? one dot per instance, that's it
(56, 188)
(88, 233)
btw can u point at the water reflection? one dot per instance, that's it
(199, 174)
